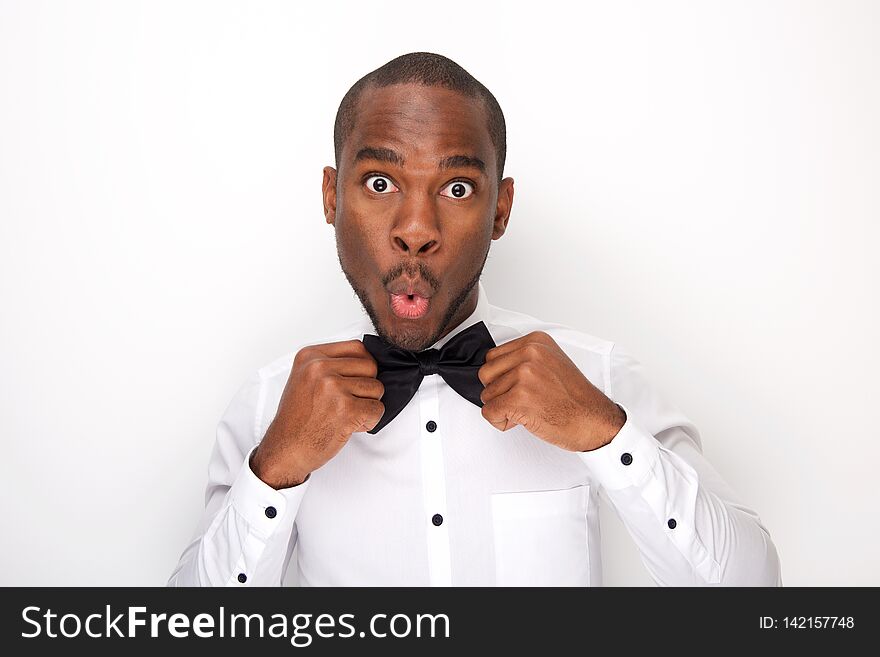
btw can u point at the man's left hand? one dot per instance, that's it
(532, 382)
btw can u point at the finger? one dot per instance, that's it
(506, 348)
(343, 349)
(498, 411)
(490, 371)
(351, 348)
(535, 337)
(351, 366)
(499, 386)
(363, 386)
(367, 412)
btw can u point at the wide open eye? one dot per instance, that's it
(457, 189)
(380, 185)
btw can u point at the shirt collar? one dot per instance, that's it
(480, 314)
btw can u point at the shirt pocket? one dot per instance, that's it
(541, 537)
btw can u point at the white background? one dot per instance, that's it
(697, 181)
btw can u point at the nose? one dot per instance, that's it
(416, 229)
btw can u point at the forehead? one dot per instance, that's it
(421, 122)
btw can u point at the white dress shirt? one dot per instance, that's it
(439, 497)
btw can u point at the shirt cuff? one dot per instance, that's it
(264, 508)
(627, 460)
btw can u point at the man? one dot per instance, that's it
(442, 440)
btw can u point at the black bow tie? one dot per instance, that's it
(401, 371)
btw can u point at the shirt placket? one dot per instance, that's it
(434, 482)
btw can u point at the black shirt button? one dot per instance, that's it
(626, 458)
(242, 578)
(271, 512)
(437, 519)
(671, 524)
(431, 426)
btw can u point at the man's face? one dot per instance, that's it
(416, 203)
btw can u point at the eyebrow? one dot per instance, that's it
(393, 157)
(380, 155)
(463, 162)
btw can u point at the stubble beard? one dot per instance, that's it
(414, 340)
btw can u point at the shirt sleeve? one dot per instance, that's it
(688, 525)
(247, 531)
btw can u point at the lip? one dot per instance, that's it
(409, 298)
(410, 287)
(409, 307)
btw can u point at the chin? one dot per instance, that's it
(412, 335)
(406, 334)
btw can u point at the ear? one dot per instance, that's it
(328, 191)
(503, 207)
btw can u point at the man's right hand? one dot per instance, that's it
(331, 393)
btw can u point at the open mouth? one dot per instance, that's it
(409, 306)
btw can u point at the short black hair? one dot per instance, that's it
(430, 70)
